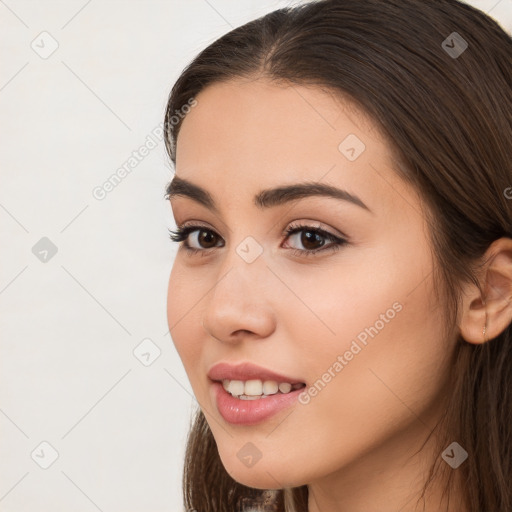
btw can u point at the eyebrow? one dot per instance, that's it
(265, 198)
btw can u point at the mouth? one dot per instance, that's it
(250, 409)
(247, 394)
(247, 372)
(256, 389)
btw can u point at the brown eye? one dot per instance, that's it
(206, 238)
(311, 239)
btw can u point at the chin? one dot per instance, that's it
(262, 475)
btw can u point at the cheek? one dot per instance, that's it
(384, 327)
(380, 388)
(182, 315)
(351, 300)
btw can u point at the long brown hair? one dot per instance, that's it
(447, 117)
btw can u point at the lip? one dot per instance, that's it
(247, 371)
(250, 412)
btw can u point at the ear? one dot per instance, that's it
(493, 310)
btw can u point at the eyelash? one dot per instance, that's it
(181, 235)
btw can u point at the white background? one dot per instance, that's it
(69, 325)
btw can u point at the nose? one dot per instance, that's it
(239, 306)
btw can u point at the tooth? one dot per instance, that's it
(236, 387)
(256, 388)
(270, 387)
(246, 397)
(253, 387)
(285, 387)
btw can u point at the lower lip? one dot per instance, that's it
(250, 412)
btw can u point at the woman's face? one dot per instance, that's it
(359, 324)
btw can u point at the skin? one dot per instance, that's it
(361, 434)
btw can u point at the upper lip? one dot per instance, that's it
(247, 371)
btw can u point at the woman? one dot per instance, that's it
(341, 295)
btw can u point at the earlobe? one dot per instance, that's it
(486, 317)
(485, 330)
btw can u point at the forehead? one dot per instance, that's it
(254, 134)
(252, 114)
